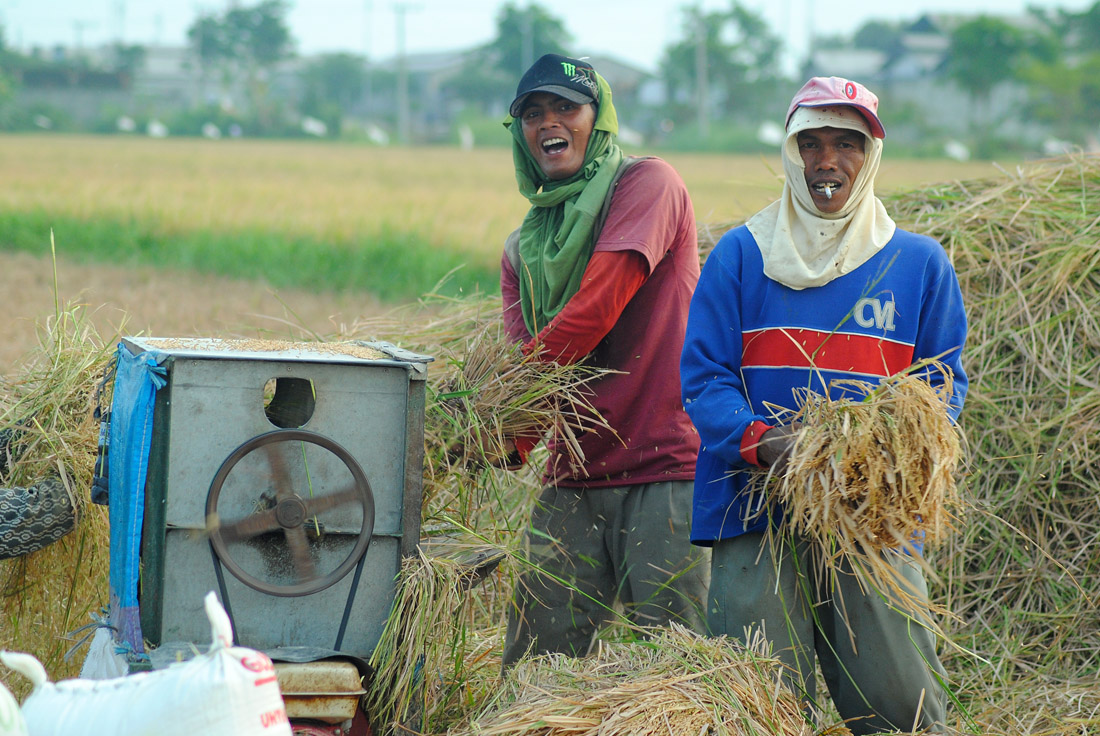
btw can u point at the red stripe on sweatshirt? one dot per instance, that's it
(787, 347)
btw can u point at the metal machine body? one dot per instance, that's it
(299, 519)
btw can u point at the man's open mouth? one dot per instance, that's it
(827, 188)
(554, 145)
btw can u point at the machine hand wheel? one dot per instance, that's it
(280, 497)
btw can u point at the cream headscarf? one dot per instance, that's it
(803, 246)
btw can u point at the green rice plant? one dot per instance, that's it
(322, 192)
(392, 264)
(306, 190)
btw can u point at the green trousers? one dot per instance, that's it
(590, 549)
(879, 663)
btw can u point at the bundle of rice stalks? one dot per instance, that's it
(489, 392)
(49, 407)
(867, 478)
(675, 683)
(483, 392)
(874, 474)
(430, 667)
(1024, 573)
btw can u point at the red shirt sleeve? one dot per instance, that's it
(750, 442)
(610, 281)
(514, 326)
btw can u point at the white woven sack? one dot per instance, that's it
(11, 718)
(103, 662)
(229, 691)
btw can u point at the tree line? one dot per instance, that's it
(715, 79)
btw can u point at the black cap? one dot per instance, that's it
(573, 79)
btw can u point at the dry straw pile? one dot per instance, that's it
(1023, 573)
(675, 683)
(46, 594)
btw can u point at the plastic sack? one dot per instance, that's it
(103, 662)
(11, 718)
(229, 691)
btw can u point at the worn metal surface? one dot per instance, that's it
(326, 691)
(212, 404)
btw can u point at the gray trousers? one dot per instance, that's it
(590, 548)
(879, 664)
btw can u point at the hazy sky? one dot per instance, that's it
(634, 30)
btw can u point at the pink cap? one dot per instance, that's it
(827, 91)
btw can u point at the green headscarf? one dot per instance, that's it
(556, 238)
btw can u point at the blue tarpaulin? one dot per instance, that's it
(137, 379)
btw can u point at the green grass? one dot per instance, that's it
(389, 222)
(394, 265)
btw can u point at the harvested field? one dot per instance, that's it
(1021, 572)
(151, 302)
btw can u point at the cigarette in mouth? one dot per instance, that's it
(828, 191)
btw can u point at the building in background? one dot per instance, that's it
(427, 98)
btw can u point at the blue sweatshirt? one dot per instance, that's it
(753, 343)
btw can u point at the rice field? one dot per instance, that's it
(451, 198)
(277, 235)
(1019, 573)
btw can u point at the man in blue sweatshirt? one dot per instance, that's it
(818, 286)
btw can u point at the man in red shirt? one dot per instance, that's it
(602, 271)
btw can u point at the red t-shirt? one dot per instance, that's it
(629, 315)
